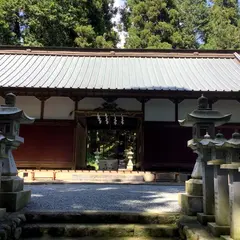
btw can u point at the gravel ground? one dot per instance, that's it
(105, 197)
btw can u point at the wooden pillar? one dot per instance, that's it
(81, 143)
(80, 138)
(42, 99)
(176, 102)
(143, 101)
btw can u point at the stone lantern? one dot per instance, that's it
(232, 165)
(12, 195)
(203, 119)
(97, 156)
(130, 157)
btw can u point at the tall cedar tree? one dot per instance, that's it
(223, 28)
(151, 24)
(70, 23)
(193, 17)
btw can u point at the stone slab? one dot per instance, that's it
(166, 176)
(191, 229)
(190, 205)
(12, 184)
(194, 187)
(205, 219)
(107, 217)
(221, 192)
(99, 230)
(217, 230)
(208, 189)
(225, 237)
(183, 177)
(234, 197)
(2, 212)
(14, 201)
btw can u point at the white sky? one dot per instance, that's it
(119, 3)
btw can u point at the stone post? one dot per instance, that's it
(233, 165)
(221, 190)
(12, 196)
(2, 210)
(203, 119)
(205, 147)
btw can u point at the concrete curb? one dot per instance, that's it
(104, 183)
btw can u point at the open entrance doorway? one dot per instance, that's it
(110, 132)
(112, 141)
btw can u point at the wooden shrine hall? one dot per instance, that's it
(88, 100)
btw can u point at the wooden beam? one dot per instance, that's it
(142, 99)
(119, 93)
(110, 99)
(176, 102)
(42, 99)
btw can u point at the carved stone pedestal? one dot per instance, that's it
(14, 201)
(191, 202)
(12, 195)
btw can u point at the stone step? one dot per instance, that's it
(102, 217)
(102, 238)
(99, 230)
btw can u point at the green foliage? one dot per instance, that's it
(223, 28)
(74, 23)
(91, 161)
(187, 24)
(150, 23)
(193, 17)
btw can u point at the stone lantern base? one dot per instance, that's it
(12, 195)
(191, 202)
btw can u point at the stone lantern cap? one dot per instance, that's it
(234, 142)
(208, 142)
(204, 114)
(9, 111)
(219, 141)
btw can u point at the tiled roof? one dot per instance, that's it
(187, 72)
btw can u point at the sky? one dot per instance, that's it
(119, 3)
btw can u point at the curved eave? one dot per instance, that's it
(218, 121)
(25, 119)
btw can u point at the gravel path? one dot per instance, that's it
(80, 197)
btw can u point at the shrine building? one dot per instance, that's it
(88, 100)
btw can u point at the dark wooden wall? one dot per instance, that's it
(47, 145)
(165, 147)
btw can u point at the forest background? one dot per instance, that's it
(137, 24)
